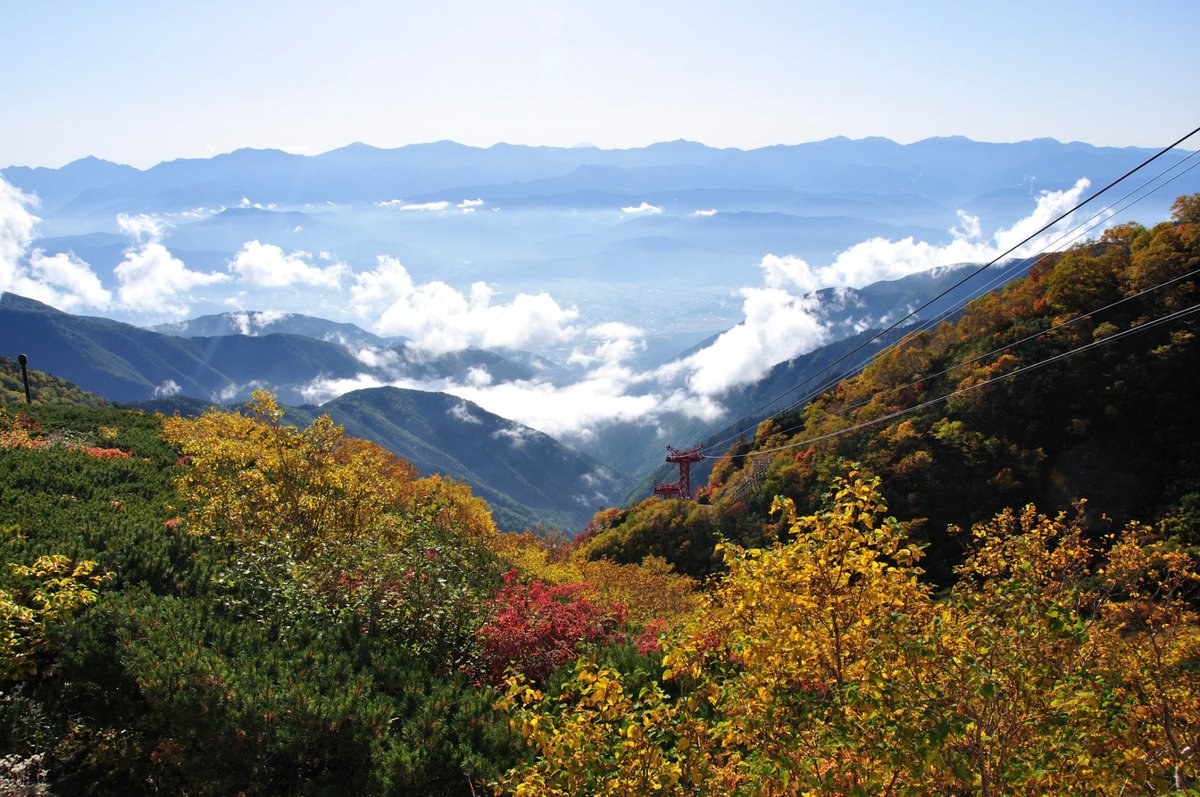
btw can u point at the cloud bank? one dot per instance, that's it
(441, 319)
(880, 259)
(266, 266)
(781, 320)
(780, 317)
(150, 279)
(62, 280)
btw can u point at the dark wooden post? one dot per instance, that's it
(24, 361)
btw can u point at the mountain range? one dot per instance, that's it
(660, 236)
(530, 479)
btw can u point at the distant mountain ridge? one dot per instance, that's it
(955, 169)
(592, 228)
(528, 478)
(126, 363)
(262, 322)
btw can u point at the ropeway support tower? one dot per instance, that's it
(683, 487)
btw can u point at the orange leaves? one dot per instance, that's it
(104, 453)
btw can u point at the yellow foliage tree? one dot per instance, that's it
(597, 738)
(823, 666)
(251, 478)
(343, 518)
(801, 644)
(57, 589)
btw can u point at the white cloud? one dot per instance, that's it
(442, 319)
(572, 411)
(324, 388)
(266, 265)
(69, 281)
(168, 388)
(469, 204)
(478, 376)
(515, 434)
(201, 212)
(373, 357)
(16, 229)
(777, 326)
(61, 280)
(645, 207)
(152, 280)
(233, 390)
(142, 226)
(709, 212)
(462, 412)
(617, 343)
(880, 259)
(442, 205)
(254, 323)
(781, 320)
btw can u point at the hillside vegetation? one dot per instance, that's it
(43, 387)
(231, 604)
(958, 429)
(228, 604)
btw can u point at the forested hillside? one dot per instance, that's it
(1076, 382)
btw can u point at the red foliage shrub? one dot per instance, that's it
(647, 642)
(536, 628)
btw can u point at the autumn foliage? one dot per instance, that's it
(823, 665)
(535, 628)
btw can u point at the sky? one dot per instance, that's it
(142, 82)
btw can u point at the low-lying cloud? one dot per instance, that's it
(70, 281)
(252, 324)
(61, 280)
(150, 279)
(645, 207)
(440, 318)
(881, 259)
(267, 266)
(782, 319)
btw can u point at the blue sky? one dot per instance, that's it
(141, 82)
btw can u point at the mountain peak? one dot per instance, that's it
(14, 301)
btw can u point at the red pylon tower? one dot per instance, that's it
(683, 487)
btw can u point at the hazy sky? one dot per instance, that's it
(141, 82)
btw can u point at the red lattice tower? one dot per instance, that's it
(683, 487)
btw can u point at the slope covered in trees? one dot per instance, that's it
(1077, 381)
